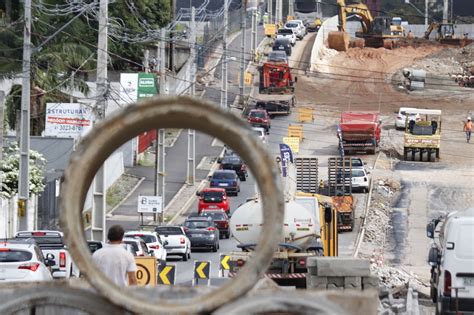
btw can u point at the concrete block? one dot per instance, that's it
(337, 281)
(332, 286)
(312, 271)
(313, 282)
(339, 266)
(353, 283)
(371, 282)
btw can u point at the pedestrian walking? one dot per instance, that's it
(468, 129)
(114, 261)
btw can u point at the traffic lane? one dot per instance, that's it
(185, 270)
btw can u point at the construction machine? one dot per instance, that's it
(422, 138)
(445, 34)
(376, 31)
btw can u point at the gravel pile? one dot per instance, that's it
(390, 277)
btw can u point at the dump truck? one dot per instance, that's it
(340, 191)
(422, 138)
(376, 31)
(359, 131)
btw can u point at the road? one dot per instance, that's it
(248, 189)
(176, 156)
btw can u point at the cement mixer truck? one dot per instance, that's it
(309, 229)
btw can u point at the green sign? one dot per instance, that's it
(146, 85)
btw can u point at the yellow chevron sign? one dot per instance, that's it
(202, 269)
(225, 262)
(167, 274)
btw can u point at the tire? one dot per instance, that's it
(185, 257)
(433, 294)
(214, 248)
(189, 254)
(218, 246)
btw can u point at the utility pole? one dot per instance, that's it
(24, 182)
(224, 57)
(2, 106)
(445, 11)
(160, 141)
(172, 44)
(278, 13)
(318, 9)
(291, 10)
(270, 11)
(255, 25)
(254, 34)
(243, 26)
(99, 190)
(426, 13)
(191, 165)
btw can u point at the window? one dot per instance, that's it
(257, 114)
(146, 237)
(212, 196)
(15, 255)
(169, 230)
(358, 173)
(222, 175)
(197, 224)
(217, 216)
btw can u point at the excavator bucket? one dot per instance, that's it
(338, 41)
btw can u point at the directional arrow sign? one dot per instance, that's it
(225, 262)
(166, 274)
(202, 269)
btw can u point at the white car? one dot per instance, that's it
(301, 24)
(136, 246)
(52, 242)
(400, 119)
(297, 29)
(153, 242)
(23, 261)
(288, 34)
(360, 179)
(260, 132)
(178, 242)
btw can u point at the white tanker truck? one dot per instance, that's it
(309, 229)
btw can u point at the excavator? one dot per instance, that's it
(376, 31)
(445, 34)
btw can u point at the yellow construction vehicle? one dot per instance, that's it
(376, 32)
(422, 138)
(445, 34)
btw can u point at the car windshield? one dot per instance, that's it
(93, 246)
(212, 196)
(168, 230)
(14, 255)
(291, 25)
(358, 173)
(285, 31)
(197, 224)
(257, 114)
(44, 241)
(223, 175)
(146, 237)
(217, 216)
(357, 162)
(281, 42)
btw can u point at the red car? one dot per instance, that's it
(213, 199)
(259, 118)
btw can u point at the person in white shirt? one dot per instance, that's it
(114, 261)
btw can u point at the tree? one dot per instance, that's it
(10, 166)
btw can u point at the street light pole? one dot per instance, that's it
(191, 165)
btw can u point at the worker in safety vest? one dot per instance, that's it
(468, 128)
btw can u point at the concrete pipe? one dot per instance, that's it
(173, 112)
(282, 303)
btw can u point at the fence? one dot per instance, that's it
(48, 212)
(212, 34)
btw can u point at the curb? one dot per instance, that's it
(128, 195)
(360, 237)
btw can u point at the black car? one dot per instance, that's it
(234, 162)
(202, 232)
(282, 44)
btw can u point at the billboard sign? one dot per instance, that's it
(137, 86)
(68, 120)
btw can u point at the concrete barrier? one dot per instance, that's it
(316, 53)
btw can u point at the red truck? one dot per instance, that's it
(359, 131)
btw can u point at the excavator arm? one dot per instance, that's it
(359, 9)
(431, 27)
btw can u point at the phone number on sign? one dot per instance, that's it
(68, 128)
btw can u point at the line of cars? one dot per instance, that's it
(286, 37)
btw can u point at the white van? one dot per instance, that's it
(452, 263)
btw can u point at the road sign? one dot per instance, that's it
(248, 78)
(224, 259)
(150, 204)
(167, 274)
(293, 143)
(305, 114)
(146, 271)
(202, 269)
(295, 131)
